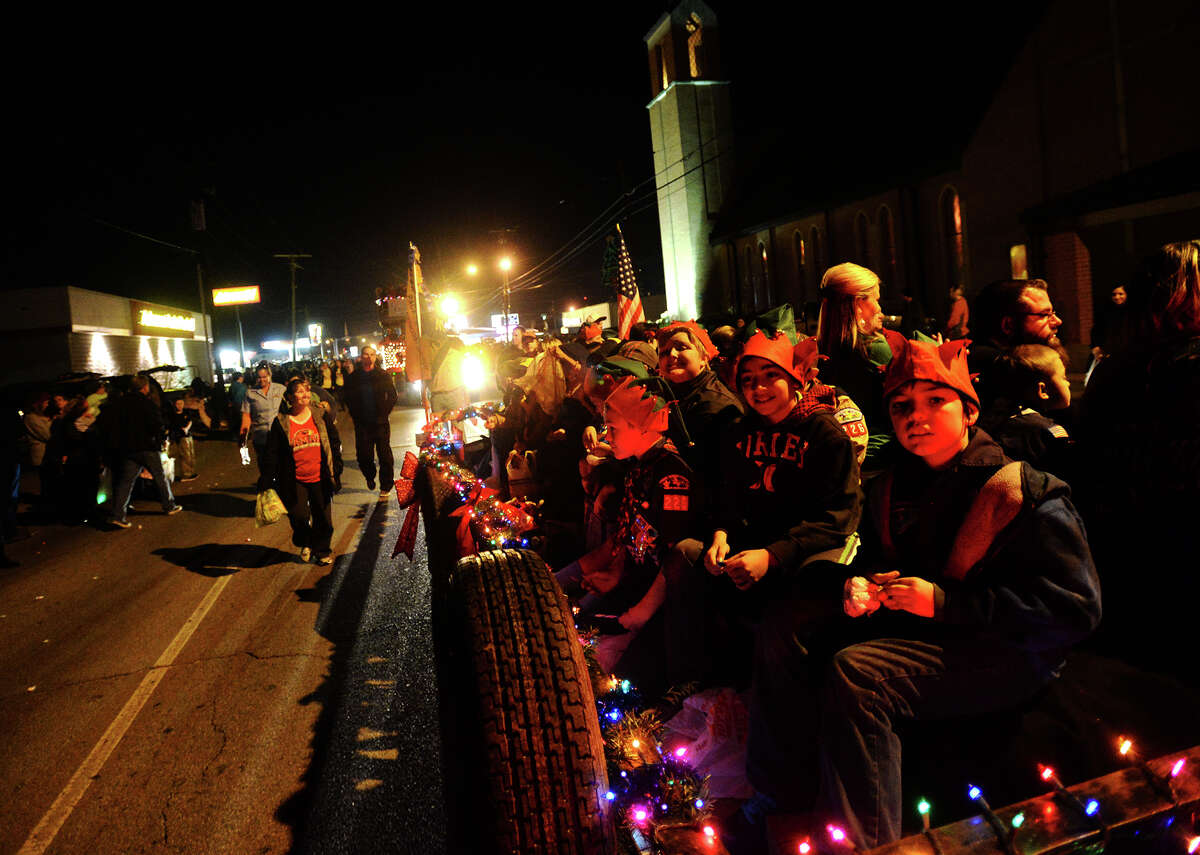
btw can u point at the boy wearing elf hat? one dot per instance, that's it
(984, 581)
(624, 575)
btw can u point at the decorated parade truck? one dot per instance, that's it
(544, 752)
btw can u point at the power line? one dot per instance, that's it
(144, 237)
(584, 240)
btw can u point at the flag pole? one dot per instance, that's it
(416, 280)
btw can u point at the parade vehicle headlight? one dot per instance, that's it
(473, 375)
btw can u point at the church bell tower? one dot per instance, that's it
(691, 131)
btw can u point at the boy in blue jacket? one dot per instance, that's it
(984, 581)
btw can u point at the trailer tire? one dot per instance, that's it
(529, 762)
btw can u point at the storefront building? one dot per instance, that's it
(48, 332)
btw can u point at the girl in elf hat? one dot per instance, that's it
(981, 579)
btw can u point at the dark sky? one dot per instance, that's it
(532, 123)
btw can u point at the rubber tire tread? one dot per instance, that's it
(545, 772)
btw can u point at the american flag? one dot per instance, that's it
(620, 276)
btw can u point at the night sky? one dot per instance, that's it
(531, 126)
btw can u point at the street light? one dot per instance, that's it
(449, 305)
(472, 269)
(314, 334)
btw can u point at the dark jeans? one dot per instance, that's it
(260, 450)
(846, 708)
(311, 517)
(708, 621)
(130, 464)
(369, 440)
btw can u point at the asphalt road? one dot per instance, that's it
(188, 685)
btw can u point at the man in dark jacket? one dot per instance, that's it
(134, 433)
(371, 396)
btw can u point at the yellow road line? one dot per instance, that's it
(48, 827)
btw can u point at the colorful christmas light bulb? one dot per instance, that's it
(1092, 807)
(805, 847)
(1018, 820)
(1178, 767)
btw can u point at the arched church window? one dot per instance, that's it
(764, 275)
(695, 43)
(799, 251)
(862, 246)
(952, 237)
(887, 248)
(818, 254)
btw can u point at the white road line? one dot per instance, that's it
(48, 827)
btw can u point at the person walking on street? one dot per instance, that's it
(303, 463)
(263, 403)
(338, 383)
(37, 434)
(135, 435)
(183, 446)
(371, 396)
(237, 397)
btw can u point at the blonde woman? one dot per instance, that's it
(850, 334)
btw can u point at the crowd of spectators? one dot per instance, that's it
(95, 444)
(725, 505)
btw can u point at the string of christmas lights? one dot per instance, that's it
(493, 522)
(651, 788)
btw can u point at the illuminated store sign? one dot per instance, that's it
(237, 296)
(158, 320)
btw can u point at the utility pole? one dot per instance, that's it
(505, 265)
(204, 319)
(199, 225)
(237, 313)
(291, 257)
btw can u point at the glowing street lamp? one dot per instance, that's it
(314, 334)
(449, 305)
(472, 269)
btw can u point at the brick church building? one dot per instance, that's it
(1085, 159)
